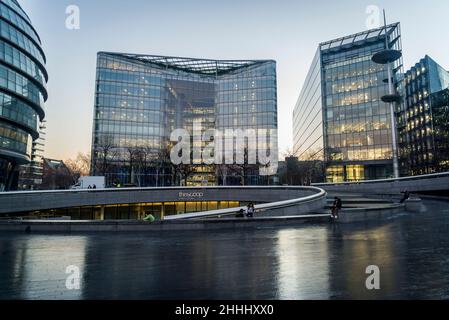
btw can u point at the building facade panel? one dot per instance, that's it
(308, 116)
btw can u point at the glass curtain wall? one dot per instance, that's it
(140, 100)
(308, 116)
(357, 124)
(424, 118)
(23, 79)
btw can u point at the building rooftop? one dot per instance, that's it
(54, 164)
(194, 65)
(359, 38)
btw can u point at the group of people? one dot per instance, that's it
(249, 213)
(92, 187)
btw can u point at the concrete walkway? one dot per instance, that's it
(140, 226)
(358, 207)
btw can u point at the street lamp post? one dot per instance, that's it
(387, 57)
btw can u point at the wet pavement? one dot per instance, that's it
(323, 261)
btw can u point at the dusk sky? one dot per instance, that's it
(287, 31)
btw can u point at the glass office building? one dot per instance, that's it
(22, 90)
(308, 116)
(339, 116)
(141, 99)
(440, 119)
(423, 130)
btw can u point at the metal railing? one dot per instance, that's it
(305, 194)
(421, 177)
(258, 208)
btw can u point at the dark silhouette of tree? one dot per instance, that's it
(80, 166)
(305, 171)
(56, 175)
(105, 153)
(242, 170)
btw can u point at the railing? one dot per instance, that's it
(271, 197)
(421, 177)
(34, 218)
(258, 208)
(74, 191)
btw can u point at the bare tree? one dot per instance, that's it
(164, 161)
(242, 170)
(143, 160)
(222, 170)
(80, 166)
(304, 171)
(183, 172)
(179, 172)
(56, 175)
(105, 154)
(142, 164)
(133, 155)
(159, 162)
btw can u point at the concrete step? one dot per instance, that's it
(361, 201)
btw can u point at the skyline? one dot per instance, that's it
(271, 29)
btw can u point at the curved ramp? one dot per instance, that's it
(298, 206)
(276, 201)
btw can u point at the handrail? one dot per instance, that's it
(143, 189)
(43, 200)
(260, 207)
(421, 177)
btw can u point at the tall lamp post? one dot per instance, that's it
(387, 57)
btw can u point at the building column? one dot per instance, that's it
(102, 213)
(163, 211)
(12, 177)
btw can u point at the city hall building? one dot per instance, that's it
(141, 99)
(23, 92)
(340, 117)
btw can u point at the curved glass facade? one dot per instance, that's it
(22, 90)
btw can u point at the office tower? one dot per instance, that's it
(423, 130)
(340, 117)
(141, 99)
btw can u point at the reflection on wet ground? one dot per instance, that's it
(297, 262)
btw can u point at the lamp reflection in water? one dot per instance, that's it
(39, 270)
(303, 260)
(353, 251)
(326, 263)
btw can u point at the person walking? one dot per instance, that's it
(250, 210)
(336, 207)
(406, 197)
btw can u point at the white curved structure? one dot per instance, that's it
(270, 200)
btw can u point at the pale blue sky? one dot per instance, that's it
(287, 31)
